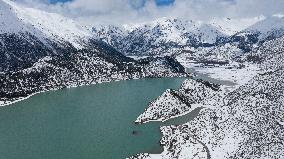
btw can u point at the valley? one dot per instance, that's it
(204, 89)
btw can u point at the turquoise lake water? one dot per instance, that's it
(90, 122)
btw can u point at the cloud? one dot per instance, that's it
(125, 11)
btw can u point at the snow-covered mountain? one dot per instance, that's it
(175, 36)
(41, 51)
(233, 48)
(173, 30)
(43, 25)
(163, 36)
(28, 34)
(271, 27)
(266, 29)
(231, 26)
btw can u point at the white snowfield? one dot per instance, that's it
(15, 18)
(238, 76)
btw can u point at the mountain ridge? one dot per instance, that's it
(170, 36)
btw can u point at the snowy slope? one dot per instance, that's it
(27, 35)
(9, 22)
(174, 103)
(266, 29)
(245, 123)
(268, 24)
(19, 19)
(110, 34)
(162, 36)
(167, 36)
(231, 26)
(174, 29)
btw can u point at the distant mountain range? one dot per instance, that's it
(174, 36)
(160, 37)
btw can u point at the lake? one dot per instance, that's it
(86, 122)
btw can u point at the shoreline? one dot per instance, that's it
(5, 103)
(173, 117)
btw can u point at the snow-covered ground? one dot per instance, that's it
(138, 57)
(174, 103)
(247, 122)
(194, 94)
(243, 124)
(235, 75)
(232, 72)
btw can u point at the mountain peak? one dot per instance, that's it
(274, 22)
(19, 19)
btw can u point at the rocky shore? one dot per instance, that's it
(245, 123)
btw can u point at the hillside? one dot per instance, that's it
(43, 51)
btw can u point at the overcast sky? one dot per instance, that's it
(127, 11)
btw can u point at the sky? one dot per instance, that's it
(132, 11)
